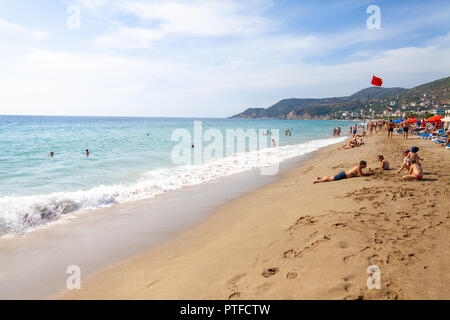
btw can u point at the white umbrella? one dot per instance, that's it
(447, 122)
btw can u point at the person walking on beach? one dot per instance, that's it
(405, 128)
(391, 126)
(356, 171)
(371, 126)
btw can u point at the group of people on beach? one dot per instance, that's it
(411, 163)
(411, 160)
(337, 132)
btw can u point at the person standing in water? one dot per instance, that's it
(87, 152)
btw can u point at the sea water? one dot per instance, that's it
(129, 159)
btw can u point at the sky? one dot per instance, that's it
(210, 58)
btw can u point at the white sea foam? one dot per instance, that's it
(19, 214)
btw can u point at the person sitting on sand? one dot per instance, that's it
(356, 171)
(414, 156)
(415, 172)
(384, 164)
(406, 161)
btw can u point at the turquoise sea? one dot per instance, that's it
(129, 159)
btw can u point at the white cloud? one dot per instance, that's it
(130, 38)
(15, 29)
(50, 82)
(199, 18)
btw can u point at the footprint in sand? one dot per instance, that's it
(269, 272)
(291, 275)
(289, 253)
(236, 278)
(234, 295)
(343, 245)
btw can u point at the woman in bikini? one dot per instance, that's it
(415, 172)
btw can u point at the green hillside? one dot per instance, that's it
(426, 95)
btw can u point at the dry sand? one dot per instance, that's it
(295, 240)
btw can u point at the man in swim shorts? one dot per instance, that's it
(405, 128)
(390, 129)
(356, 171)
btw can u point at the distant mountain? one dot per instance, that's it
(325, 108)
(438, 88)
(377, 93)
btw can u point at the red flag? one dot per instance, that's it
(377, 81)
(389, 109)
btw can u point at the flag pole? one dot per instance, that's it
(368, 93)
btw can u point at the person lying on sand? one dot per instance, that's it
(351, 144)
(356, 171)
(384, 164)
(406, 161)
(415, 172)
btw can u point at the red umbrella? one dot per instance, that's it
(412, 120)
(435, 119)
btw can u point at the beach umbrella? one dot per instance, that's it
(412, 120)
(423, 122)
(435, 119)
(446, 120)
(398, 120)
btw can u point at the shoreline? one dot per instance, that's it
(279, 242)
(97, 239)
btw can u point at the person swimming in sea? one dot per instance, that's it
(356, 171)
(52, 154)
(87, 152)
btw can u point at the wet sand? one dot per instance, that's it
(295, 240)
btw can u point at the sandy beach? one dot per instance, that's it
(295, 240)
